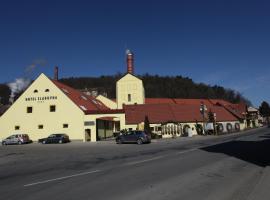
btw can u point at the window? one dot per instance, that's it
(83, 97)
(65, 90)
(82, 107)
(40, 126)
(52, 108)
(129, 97)
(17, 127)
(35, 91)
(29, 109)
(65, 125)
(94, 101)
(47, 90)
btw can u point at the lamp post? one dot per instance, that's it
(202, 110)
(215, 119)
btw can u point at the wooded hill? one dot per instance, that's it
(159, 87)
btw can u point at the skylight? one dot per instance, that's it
(65, 90)
(82, 107)
(84, 97)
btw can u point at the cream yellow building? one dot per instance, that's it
(48, 106)
(129, 91)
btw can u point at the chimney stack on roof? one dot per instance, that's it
(130, 62)
(56, 73)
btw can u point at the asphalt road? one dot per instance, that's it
(226, 167)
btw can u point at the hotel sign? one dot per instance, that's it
(89, 123)
(44, 98)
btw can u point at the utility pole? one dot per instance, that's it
(215, 119)
(202, 110)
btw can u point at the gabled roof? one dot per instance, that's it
(159, 101)
(128, 74)
(84, 102)
(238, 110)
(193, 102)
(207, 102)
(160, 113)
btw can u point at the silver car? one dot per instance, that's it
(16, 139)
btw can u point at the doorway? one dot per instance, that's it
(87, 136)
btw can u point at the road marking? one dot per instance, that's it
(61, 178)
(143, 161)
(186, 151)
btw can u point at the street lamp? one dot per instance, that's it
(202, 110)
(215, 119)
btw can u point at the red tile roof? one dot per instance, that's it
(236, 109)
(84, 102)
(207, 102)
(160, 113)
(193, 102)
(158, 100)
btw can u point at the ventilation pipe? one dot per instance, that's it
(56, 73)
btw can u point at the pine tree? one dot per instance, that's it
(147, 128)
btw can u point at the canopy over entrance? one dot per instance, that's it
(106, 126)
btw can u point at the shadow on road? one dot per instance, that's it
(256, 152)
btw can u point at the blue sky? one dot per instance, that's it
(215, 42)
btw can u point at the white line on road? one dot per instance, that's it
(61, 178)
(182, 152)
(143, 161)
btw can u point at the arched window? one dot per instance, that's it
(185, 130)
(47, 90)
(229, 127)
(35, 91)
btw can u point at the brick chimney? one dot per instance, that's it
(56, 73)
(130, 62)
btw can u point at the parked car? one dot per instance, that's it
(17, 139)
(55, 138)
(138, 137)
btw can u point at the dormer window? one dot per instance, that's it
(35, 91)
(47, 90)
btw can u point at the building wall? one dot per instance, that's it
(129, 85)
(92, 122)
(178, 128)
(232, 123)
(107, 102)
(243, 125)
(66, 113)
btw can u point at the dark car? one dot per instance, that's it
(138, 137)
(17, 139)
(55, 138)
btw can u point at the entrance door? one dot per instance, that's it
(87, 135)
